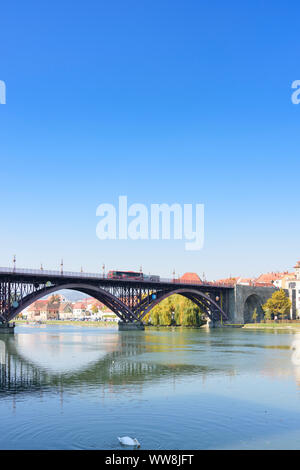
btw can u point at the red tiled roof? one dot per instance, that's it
(190, 277)
(244, 280)
(63, 305)
(269, 277)
(228, 280)
(80, 305)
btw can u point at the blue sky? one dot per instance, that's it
(162, 101)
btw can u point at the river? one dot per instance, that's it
(76, 387)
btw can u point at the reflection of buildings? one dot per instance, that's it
(283, 373)
(282, 366)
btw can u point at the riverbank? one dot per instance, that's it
(70, 322)
(106, 324)
(100, 324)
(272, 326)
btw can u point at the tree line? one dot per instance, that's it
(176, 310)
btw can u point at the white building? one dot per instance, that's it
(79, 310)
(293, 287)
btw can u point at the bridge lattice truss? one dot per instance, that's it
(130, 301)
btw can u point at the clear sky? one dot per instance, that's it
(163, 101)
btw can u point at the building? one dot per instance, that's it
(37, 311)
(245, 281)
(292, 285)
(65, 311)
(92, 305)
(53, 310)
(286, 279)
(270, 279)
(108, 316)
(79, 310)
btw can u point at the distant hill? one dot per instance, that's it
(72, 295)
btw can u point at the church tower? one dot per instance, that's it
(297, 270)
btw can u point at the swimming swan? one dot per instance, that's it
(128, 441)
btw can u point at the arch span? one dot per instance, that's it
(252, 302)
(111, 301)
(202, 300)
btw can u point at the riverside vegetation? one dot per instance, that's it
(176, 310)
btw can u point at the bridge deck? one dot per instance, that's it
(42, 274)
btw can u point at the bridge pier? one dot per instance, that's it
(214, 324)
(126, 326)
(6, 328)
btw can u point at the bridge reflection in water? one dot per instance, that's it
(44, 360)
(56, 359)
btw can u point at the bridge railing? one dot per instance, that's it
(47, 272)
(191, 282)
(41, 272)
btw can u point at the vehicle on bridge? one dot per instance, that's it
(132, 275)
(125, 275)
(151, 277)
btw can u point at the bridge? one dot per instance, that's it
(129, 299)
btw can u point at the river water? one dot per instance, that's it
(69, 387)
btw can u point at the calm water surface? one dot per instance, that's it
(68, 387)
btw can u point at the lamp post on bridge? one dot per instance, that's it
(62, 266)
(103, 270)
(14, 263)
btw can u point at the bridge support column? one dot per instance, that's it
(6, 328)
(124, 326)
(214, 324)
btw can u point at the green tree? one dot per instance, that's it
(278, 305)
(189, 317)
(94, 309)
(255, 315)
(176, 309)
(267, 314)
(155, 317)
(165, 318)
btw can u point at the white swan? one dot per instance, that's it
(128, 441)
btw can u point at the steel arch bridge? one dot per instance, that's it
(129, 299)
